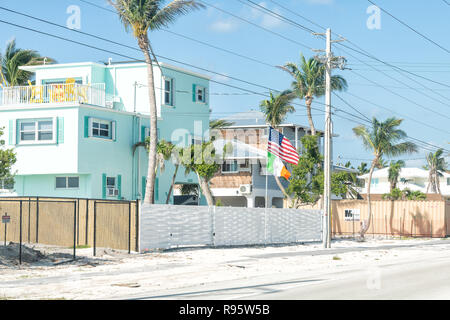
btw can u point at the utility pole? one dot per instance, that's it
(329, 62)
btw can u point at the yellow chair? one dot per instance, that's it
(69, 90)
(36, 93)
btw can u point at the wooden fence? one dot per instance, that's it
(63, 221)
(405, 218)
(397, 218)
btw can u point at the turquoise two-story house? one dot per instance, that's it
(76, 129)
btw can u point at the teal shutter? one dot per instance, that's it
(119, 185)
(142, 134)
(86, 127)
(11, 132)
(104, 186)
(193, 93)
(156, 189)
(144, 182)
(157, 133)
(60, 126)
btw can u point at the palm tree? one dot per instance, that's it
(276, 110)
(309, 82)
(176, 159)
(205, 167)
(143, 16)
(219, 124)
(362, 168)
(163, 153)
(382, 139)
(12, 59)
(394, 173)
(381, 163)
(436, 165)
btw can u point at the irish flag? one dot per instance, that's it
(276, 166)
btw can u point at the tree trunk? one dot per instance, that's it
(206, 190)
(173, 183)
(438, 185)
(151, 172)
(308, 102)
(366, 224)
(277, 179)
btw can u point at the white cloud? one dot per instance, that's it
(264, 19)
(224, 26)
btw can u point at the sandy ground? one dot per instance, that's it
(48, 273)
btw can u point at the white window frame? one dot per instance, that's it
(110, 123)
(67, 183)
(230, 163)
(36, 131)
(171, 92)
(201, 89)
(115, 187)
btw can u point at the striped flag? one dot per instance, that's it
(280, 146)
(276, 167)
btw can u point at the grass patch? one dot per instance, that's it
(81, 246)
(336, 258)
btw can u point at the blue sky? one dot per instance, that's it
(393, 43)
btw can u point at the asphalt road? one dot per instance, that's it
(410, 279)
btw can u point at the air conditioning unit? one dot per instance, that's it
(245, 189)
(113, 192)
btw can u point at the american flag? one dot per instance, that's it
(280, 146)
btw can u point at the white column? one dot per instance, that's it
(250, 202)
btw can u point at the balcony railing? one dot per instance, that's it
(93, 94)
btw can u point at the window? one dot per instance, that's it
(33, 131)
(110, 182)
(67, 182)
(244, 166)
(168, 91)
(111, 189)
(375, 181)
(230, 167)
(448, 181)
(200, 94)
(104, 129)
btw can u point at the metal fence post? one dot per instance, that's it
(37, 219)
(74, 229)
(129, 227)
(87, 221)
(29, 219)
(20, 237)
(95, 226)
(78, 221)
(137, 225)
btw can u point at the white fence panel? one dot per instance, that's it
(166, 226)
(238, 226)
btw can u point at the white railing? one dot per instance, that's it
(93, 94)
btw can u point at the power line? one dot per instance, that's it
(128, 57)
(365, 53)
(400, 114)
(270, 12)
(411, 28)
(257, 26)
